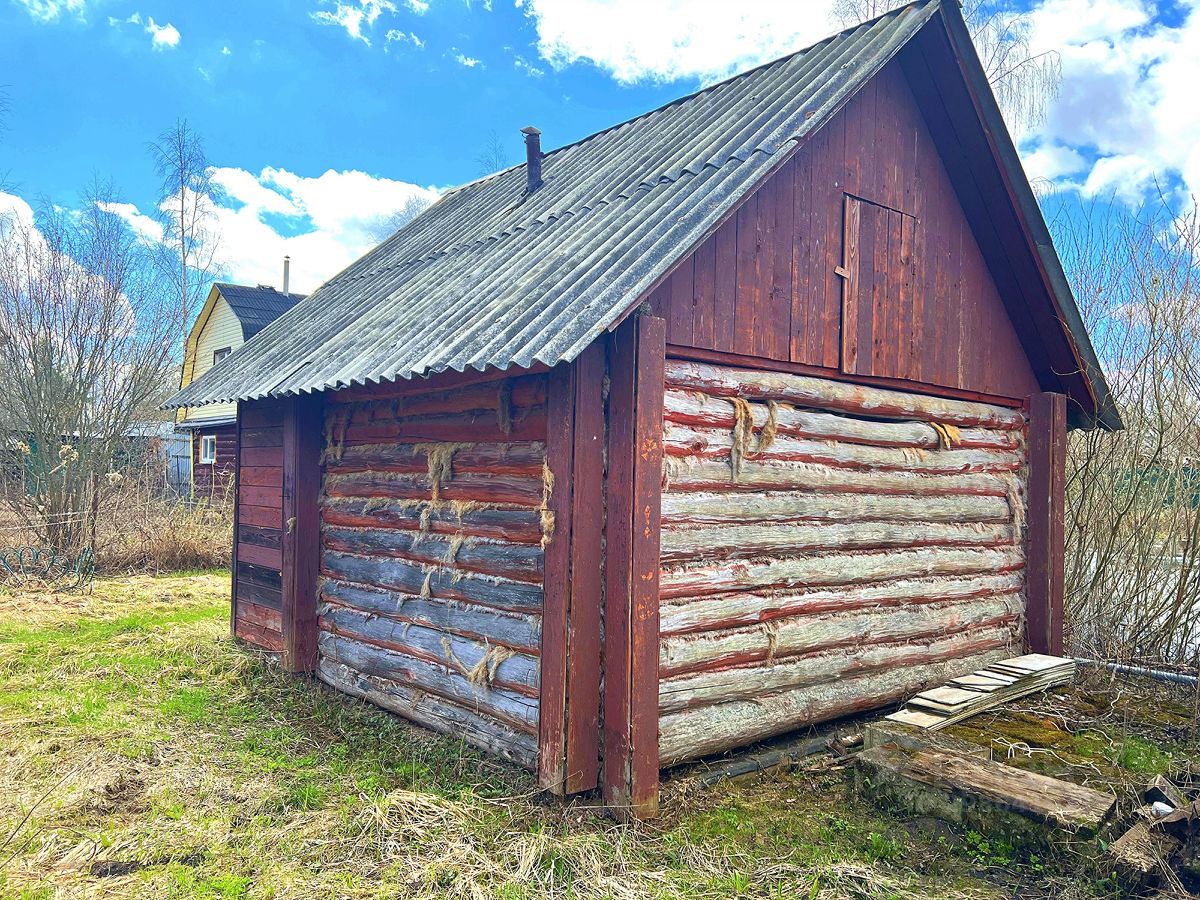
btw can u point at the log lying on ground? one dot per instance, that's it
(433, 712)
(822, 393)
(692, 733)
(514, 524)
(690, 614)
(834, 568)
(703, 411)
(953, 775)
(783, 638)
(756, 682)
(514, 458)
(428, 581)
(695, 474)
(519, 562)
(682, 544)
(521, 631)
(515, 710)
(492, 664)
(683, 507)
(684, 440)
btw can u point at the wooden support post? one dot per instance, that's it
(303, 428)
(556, 580)
(587, 535)
(1045, 548)
(637, 358)
(237, 481)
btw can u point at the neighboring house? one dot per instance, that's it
(232, 314)
(772, 382)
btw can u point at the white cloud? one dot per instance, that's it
(225, 51)
(1126, 114)
(463, 60)
(53, 10)
(145, 227)
(395, 35)
(356, 16)
(162, 37)
(420, 7)
(523, 65)
(674, 39)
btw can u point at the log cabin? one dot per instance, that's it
(230, 316)
(746, 414)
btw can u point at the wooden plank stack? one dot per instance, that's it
(967, 695)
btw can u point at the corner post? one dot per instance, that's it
(636, 366)
(1045, 540)
(303, 430)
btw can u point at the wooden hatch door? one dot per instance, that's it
(878, 328)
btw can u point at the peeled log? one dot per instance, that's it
(683, 440)
(798, 635)
(703, 411)
(755, 681)
(477, 487)
(517, 711)
(520, 562)
(681, 544)
(503, 667)
(794, 506)
(831, 568)
(522, 631)
(744, 608)
(517, 458)
(822, 393)
(697, 474)
(433, 712)
(520, 525)
(690, 734)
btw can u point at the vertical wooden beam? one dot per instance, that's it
(303, 428)
(632, 567)
(237, 467)
(1045, 514)
(556, 580)
(587, 533)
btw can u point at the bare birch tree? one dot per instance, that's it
(1133, 498)
(493, 157)
(1024, 81)
(413, 207)
(88, 327)
(186, 213)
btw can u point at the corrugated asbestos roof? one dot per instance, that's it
(256, 307)
(492, 277)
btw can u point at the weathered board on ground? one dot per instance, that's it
(827, 548)
(434, 518)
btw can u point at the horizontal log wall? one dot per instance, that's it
(827, 548)
(258, 526)
(433, 523)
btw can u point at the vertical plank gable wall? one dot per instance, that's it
(763, 285)
(258, 525)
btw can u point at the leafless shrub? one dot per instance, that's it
(1133, 498)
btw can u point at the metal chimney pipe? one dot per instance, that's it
(287, 265)
(533, 158)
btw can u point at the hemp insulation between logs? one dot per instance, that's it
(827, 548)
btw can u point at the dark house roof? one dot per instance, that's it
(492, 276)
(256, 307)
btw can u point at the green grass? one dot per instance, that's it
(148, 755)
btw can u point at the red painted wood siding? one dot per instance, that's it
(434, 520)
(764, 284)
(258, 525)
(213, 480)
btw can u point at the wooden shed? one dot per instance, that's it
(745, 414)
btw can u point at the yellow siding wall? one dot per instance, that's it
(221, 330)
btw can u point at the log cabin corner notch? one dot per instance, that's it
(775, 434)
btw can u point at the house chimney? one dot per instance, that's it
(287, 265)
(533, 158)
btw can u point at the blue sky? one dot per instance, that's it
(321, 116)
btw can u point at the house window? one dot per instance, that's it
(219, 355)
(208, 449)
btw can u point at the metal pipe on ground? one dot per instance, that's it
(1156, 674)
